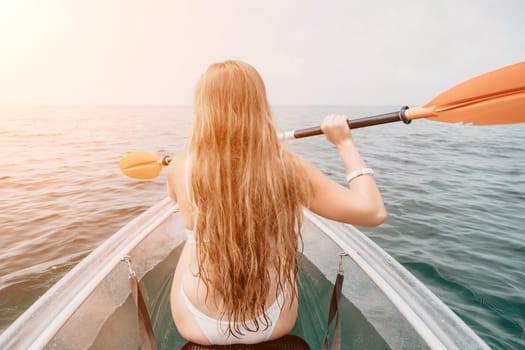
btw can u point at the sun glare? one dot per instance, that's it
(10, 12)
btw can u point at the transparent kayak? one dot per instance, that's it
(383, 306)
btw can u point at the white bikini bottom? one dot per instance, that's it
(217, 330)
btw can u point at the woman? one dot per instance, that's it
(241, 196)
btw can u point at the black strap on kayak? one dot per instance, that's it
(288, 342)
(333, 312)
(146, 335)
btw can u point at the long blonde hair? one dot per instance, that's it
(247, 194)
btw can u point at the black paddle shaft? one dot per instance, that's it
(360, 123)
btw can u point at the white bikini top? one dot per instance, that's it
(190, 237)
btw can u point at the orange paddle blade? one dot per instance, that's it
(496, 97)
(141, 165)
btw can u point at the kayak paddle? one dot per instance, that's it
(496, 97)
(143, 165)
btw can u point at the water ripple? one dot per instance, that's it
(455, 196)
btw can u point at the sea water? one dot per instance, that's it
(455, 196)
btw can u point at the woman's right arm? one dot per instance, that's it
(360, 203)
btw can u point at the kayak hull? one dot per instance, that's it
(382, 306)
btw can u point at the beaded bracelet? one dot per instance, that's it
(358, 172)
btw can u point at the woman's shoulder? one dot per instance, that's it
(298, 161)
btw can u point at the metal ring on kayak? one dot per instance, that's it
(129, 262)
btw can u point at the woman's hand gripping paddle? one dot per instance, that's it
(496, 97)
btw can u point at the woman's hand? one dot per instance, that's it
(335, 127)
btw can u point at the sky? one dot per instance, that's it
(308, 52)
